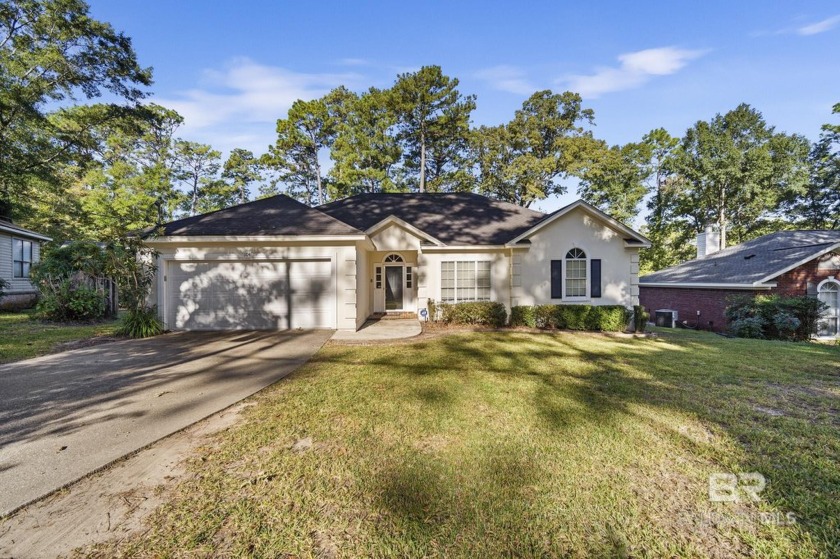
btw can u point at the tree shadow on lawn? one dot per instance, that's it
(600, 384)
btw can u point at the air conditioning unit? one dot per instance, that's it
(666, 318)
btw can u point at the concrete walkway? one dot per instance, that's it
(377, 330)
(65, 415)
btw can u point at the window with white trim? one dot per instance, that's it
(21, 258)
(393, 258)
(378, 277)
(575, 273)
(465, 280)
(829, 323)
(408, 277)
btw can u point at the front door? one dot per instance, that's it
(393, 288)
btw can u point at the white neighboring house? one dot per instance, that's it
(19, 249)
(277, 264)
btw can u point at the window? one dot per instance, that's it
(408, 277)
(464, 281)
(829, 324)
(575, 273)
(378, 277)
(393, 258)
(22, 257)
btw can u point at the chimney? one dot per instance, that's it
(708, 242)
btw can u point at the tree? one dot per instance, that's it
(735, 171)
(51, 51)
(240, 171)
(308, 129)
(668, 238)
(817, 206)
(524, 160)
(365, 153)
(196, 167)
(615, 180)
(433, 122)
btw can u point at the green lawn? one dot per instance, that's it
(513, 444)
(21, 337)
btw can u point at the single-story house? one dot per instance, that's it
(276, 263)
(19, 249)
(791, 263)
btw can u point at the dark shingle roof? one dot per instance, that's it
(452, 218)
(749, 262)
(278, 215)
(9, 227)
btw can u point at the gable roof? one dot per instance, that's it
(453, 218)
(631, 236)
(277, 215)
(12, 229)
(751, 263)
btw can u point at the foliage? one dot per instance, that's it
(524, 160)
(615, 180)
(599, 318)
(197, 166)
(774, 317)
(4, 285)
(240, 171)
(640, 318)
(433, 120)
(486, 313)
(51, 51)
(140, 323)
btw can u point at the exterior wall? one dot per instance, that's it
(577, 229)
(16, 285)
(711, 303)
(342, 256)
(429, 272)
(364, 286)
(394, 237)
(804, 279)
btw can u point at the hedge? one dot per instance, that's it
(486, 313)
(598, 318)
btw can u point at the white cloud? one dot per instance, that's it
(507, 78)
(634, 70)
(243, 100)
(819, 27)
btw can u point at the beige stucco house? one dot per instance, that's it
(19, 249)
(276, 263)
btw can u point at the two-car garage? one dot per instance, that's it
(249, 294)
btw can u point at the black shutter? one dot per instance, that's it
(595, 280)
(556, 279)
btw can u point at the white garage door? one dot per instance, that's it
(250, 295)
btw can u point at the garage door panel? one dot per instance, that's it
(260, 295)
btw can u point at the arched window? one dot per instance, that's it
(576, 273)
(393, 258)
(829, 293)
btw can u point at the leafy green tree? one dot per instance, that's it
(735, 171)
(240, 171)
(52, 51)
(817, 206)
(546, 141)
(615, 180)
(668, 238)
(365, 153)
(196, 166)
(433, 126)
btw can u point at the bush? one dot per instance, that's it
(776, 317)
(70, 299)
(598, 318)
(487, 313)
(4, 285)
(140, 323)
(640, 318)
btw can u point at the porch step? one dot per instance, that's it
(399, 315)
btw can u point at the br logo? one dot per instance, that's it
(733, 487)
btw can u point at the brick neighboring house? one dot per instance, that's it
(792, 263)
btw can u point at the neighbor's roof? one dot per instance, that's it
(9, 227)
(751, 263)
(452, 218)
(277, 215)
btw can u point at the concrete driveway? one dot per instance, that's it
(65, 415)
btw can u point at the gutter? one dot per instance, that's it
(744, 286)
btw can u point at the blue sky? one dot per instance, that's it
(232, 68)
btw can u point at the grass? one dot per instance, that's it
(22, 337)
(515, 444)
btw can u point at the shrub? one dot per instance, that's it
(140, 323)
(778, 317)
(73, 298)
(487, 313)
(4, 285)
(640, 318)
(600, 318)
